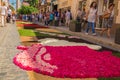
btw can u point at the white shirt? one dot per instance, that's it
(79, 13)
(13, 17)
(40, 15)
(92, 15)
(33, 16)
(68, 15)
(10, 11)
(3, 10)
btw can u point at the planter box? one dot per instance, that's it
(117, 36)
(75, 26)
(56, 23)
(51, 23)
(35, 76)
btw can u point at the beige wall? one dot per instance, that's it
(74, 4)
(0, 2)
(64, 3)
(74, 8)
(117, 21)
(117, 17)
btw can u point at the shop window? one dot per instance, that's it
(55, 7)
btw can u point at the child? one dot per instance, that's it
(13, 19)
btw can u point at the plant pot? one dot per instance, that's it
(51, 23)
(35, 76)
(75, 26)
(117, 36)
(56, 23)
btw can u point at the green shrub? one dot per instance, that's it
(27, 10)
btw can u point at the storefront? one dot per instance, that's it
(45, 6)
(73, 5)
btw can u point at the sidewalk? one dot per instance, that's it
(103, 41)
(9, 40)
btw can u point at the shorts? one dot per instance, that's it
(67, 21)
(108, 23)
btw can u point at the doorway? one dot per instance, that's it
(55, 7)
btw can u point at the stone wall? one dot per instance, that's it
(117, 17)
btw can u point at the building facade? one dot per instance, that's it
(44, 5)
(18, 4)
(73, 5)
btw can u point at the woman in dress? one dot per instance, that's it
(108, 20)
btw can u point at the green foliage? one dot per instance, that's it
(27, 10)
(12, 8)
(30, 32)
(116, 54)
(32, 2)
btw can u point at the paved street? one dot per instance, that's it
(9, 39)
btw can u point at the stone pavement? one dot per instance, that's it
(9, 39)
(103, 41)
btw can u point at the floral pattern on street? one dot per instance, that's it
(68, 61)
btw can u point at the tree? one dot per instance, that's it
(27, 10)
(33, 3)
(12, 8)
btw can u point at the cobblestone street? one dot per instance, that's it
(8, 41)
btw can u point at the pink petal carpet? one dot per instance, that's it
(68, 61)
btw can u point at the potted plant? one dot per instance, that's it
(75, 26)
(56, 22)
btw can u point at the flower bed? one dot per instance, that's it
(68, 61)
(28, 25)
(33, 26)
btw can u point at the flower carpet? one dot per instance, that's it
(28, 25)
(63, 61)
(87, 62)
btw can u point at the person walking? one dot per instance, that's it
(62, 18)
(51, 18)
(40, 17)
(84, 21)
(33, 17)
(91, 17)
(3, 13)
(108, 20)
(79, 15)
(68, 18)
(13, 18)
(9, 14)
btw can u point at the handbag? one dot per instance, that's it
(106, 16)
